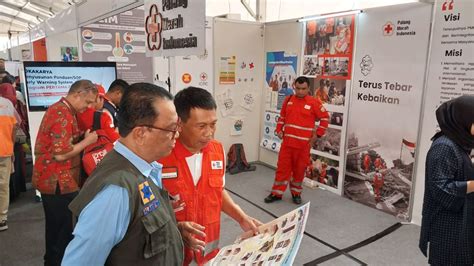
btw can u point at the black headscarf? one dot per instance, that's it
(455, 118)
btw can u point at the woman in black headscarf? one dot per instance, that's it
(447, 227)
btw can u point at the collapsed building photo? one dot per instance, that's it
(383, 183)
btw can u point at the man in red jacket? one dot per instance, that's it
(194, 175)
(85, 120)
(296, 126)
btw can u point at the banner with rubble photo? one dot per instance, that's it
(385, 106)
(119, 38)
(327, 60)
(277, 242)
(280, 75)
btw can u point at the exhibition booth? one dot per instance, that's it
(381, 72)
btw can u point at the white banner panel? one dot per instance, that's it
(196, 70)
(450, 75)
(175, 27)
(385, 105)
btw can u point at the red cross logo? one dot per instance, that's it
(388, 29)
(203, 76)
(447, 6)
(153, 28)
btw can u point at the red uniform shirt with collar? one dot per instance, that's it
(297, 120)
(57, 135)
(203, 202)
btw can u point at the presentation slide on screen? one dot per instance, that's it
(47, 84)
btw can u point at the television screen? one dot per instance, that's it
(47, 82)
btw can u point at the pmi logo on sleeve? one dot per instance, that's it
(217, 165)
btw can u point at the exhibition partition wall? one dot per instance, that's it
(377, 114)
(328, 48)
(282, 41)
(238, 78)
(195, 70)
(450, 75)
(384, 111)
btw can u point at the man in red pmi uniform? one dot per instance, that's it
(296, 126)
(193, 174)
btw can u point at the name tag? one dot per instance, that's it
(169, 172)
(151, 207)
(215, 165)
(307, 107)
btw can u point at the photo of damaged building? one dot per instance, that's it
(382, 183)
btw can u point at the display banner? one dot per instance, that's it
(121, 39)
(385, 106)
(450, 75)
(39, 51)
(196, 70)
(280, 75)
(175, 27)
(327, 60)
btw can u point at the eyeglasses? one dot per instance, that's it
(173, 131)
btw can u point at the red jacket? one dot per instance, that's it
(297, 120)
(203, 203)
(85, 121)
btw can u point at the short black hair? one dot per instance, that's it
(302, 79)
(118, 85)
(136, 106)
(193, 97)
(8, 79)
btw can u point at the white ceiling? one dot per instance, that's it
(20, 15)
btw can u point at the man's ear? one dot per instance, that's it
(180, 125)
(138, 134)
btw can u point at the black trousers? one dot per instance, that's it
(59, 225)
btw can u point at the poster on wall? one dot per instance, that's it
(450, 74)
(385, 106)
(25, 54)
(328, 47)
(197, 70)
(327, 59)
(270, 140)
(227, 69)
(121, 39)
(280, 73)
(175, 27)
(69, 54)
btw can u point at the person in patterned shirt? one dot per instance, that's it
(57, 166)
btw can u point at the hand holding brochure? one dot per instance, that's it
(276, 244)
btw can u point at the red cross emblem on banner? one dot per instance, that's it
(388, 29)
(153, 28)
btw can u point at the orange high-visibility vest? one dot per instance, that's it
(203, 203)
